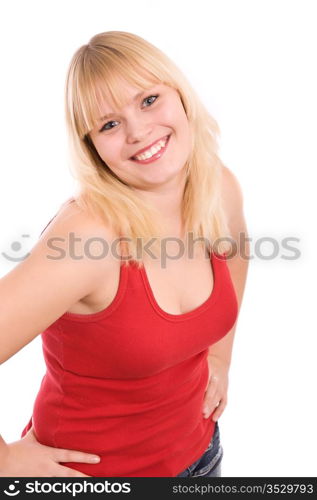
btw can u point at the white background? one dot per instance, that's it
(253, 63)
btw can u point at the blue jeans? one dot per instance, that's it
(209, 464)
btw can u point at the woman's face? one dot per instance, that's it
(147, 142)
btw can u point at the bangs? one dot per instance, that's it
(101, 77)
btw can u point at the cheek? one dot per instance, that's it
(181, 118)
(108, 151)
(184, 128)
(175, 117)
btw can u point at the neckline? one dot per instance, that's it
(194, 312)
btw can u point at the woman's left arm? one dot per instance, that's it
(219, 354)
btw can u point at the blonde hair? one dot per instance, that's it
(95, 72)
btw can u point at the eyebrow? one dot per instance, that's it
(105, 117)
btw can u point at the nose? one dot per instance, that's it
(137, 129)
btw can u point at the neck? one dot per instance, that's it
(167, 200)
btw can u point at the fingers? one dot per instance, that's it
(219, 410)
(212, 397)
(61, 455)
(216, 408)
(64, 455)
(210, 404)
(30, 435)
(215, 400)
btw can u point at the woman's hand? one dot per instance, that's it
(28, 458)
(215, 399)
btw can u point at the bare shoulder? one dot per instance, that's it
(231, 191)
(65, 265)
(232, 198)
(72, 216)
(69, 210)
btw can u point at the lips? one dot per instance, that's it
(155, 156)
(140, 151)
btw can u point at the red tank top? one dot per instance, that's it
(128, 383)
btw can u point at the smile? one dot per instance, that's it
(152, 153)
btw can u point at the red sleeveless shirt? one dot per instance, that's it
(128, 383)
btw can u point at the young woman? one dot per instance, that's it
(136, 284)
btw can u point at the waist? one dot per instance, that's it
(148, 426)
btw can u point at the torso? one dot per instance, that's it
(179, 287)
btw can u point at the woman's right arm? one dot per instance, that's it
(59, 272)
(3, 449)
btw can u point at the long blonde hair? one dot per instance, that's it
(94, 72)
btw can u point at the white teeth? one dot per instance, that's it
(152, 151)
(155, 149)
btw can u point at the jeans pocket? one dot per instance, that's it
(212, 467)
(209, 464)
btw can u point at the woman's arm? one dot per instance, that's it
(238, 264)
(34, 295)
(3, 449)
(219, 354)
(58, 273)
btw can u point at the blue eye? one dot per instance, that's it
(150, 97)
(108, 125)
